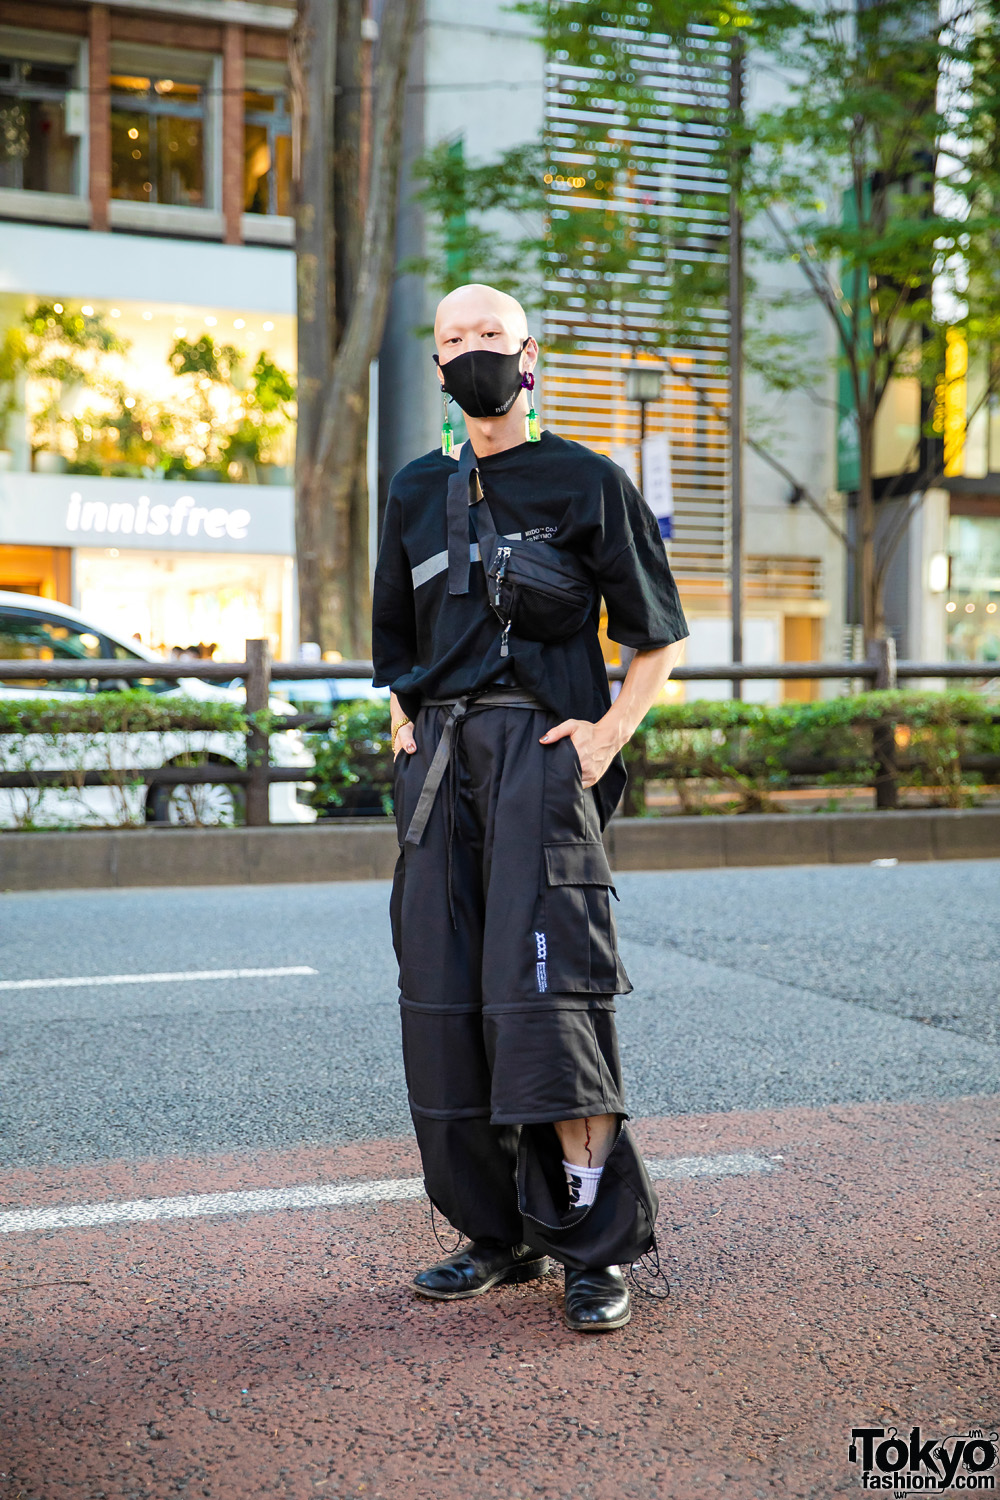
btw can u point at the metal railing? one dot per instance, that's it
(260, 670)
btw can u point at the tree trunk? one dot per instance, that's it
(313, 64)
(349, 110)
(331, 478)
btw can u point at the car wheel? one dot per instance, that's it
(191, 806)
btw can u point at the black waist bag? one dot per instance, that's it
(539, 591)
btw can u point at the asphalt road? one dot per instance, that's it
(813, 1069)
(754, 989)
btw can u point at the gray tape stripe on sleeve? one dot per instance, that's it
(426, 570)
(430, 568)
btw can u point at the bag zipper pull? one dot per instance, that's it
(499, 568)
(503, 639)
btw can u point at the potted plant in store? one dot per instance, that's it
(131, 439)
(12, 357)
(63, 351)
(209, 369)
(255, 443)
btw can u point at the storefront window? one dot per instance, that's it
(973, 607)
(189, 600)
(157, 140)
(36, 152)
(267, 153)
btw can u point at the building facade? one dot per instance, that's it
(147, 311)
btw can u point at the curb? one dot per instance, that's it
(101, 858)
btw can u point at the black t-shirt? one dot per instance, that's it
(427, 643)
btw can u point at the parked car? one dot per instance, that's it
(36, 628)
(320, 695)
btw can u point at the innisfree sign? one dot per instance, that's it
(82, 511)
(144, 518)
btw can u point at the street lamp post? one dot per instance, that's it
(643, 383)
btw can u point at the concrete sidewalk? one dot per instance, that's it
(367, 850)
(281, 1353)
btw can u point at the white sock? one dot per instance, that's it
(582, 1183)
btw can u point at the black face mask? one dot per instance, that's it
(484, 384)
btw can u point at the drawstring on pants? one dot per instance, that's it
(649, 1262)
(448, 1249)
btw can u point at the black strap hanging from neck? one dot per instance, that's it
(464, 489)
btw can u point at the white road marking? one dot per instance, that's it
(322, 1195)
(81, 980)
(739, 1164)
(256, 1200)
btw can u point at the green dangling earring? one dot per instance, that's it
(447, 436)
(532, 431)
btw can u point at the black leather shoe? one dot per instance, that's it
(477, 1268)
(597, 1300)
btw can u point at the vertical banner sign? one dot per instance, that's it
(656, 482)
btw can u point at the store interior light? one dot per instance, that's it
(210, 321)
(88, 311)
(116, 312)
(180, 333)
(147, 317)
(133, 134)
(970, 609)
(937, 573)
(57, 307)
(267, 327)
(239, 322)
(951, 606)
(129, 402)
(991, 609)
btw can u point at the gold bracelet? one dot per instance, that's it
(398, 727)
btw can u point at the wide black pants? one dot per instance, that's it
(508, 967)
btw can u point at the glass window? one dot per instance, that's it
(36, 153)
(973, 607)
(267, 153)
(157, 140)
(25, 636)
(116, 652)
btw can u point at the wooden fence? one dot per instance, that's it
(258, 671)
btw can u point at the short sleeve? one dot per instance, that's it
(394, 633)
(633, 573)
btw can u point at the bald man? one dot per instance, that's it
(507, 766)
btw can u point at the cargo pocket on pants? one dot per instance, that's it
(576, 946)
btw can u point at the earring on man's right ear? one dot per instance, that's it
(447, 436)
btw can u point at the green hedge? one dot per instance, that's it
(746, 752)
(131, 711)
(751, 750)
(353, 759)
(740, 749)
